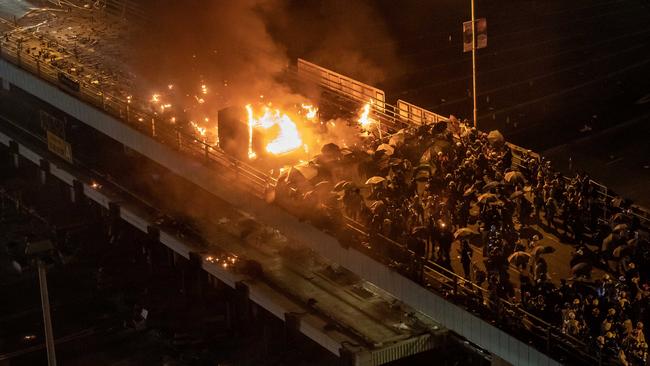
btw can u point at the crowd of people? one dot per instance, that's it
(432, 191)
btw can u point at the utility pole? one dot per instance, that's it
(41, 250)
(474, 64)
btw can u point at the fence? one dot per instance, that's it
(135, 113)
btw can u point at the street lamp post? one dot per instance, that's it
(39, 250)
(474, 64)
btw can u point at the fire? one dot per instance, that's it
(288, 138)
(251, 124)
(155, 98)
(310, 111)
(364, 119)
(201, 130)
(204, 89)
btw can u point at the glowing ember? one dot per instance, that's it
(310, 111)
(155, 98)
(288, 138)
(170, 86)
(204, 89)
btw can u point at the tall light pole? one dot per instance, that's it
(474, 64)
(39, 250)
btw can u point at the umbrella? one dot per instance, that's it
(542, 249)
(464, 232)
(516, 194)
(330, 148)
(490, 185)
(581, 269)
(309, 171)
(397, 139)
(495, 137)
(512, 177)
(620, 227)
(375, 180)
(418, 229)
(387, 149)
(620, 217)
(486, 197)
(377, 205)
(621, 250)
(518, 257)
(342, 185)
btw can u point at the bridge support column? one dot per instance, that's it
(77, 192)
(291, 328)
(242, 307)
(6, 85)
(44, 171)
(13, 147)
(113, 221)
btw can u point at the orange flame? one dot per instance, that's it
(310, 111)
(364, 119)
(288, 138)
(201, 130)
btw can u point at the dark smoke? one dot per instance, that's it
(350, 37)
(223, 43)
(245, 44)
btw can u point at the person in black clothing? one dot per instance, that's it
(465, 252)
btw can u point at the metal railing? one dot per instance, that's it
(137, 114)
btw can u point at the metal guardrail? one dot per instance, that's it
(134, 112)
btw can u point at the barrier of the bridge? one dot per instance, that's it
(341, 83)
(417, 115)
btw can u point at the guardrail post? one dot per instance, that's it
(153, 127)
(206, 149)
(44, 171)
(13, 147)
(179, 140)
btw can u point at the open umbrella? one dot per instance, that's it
(308, 170)
(620, 218)
(342, 185)
(487, 197)
(514, 177)
(397, 139)
(620, 228)
(377, 205)
(418, 230)
(516, 194)
(495, 137)
(387, 149)
(581, 269)
(375, 180)
(622, 250)
(464, 232)
(491, 185)
(542, 249)
(519, 257)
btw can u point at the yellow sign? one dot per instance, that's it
(59, 146)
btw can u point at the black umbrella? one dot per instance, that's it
(581, 269)
(464, 232)
(342, 185)
(516, 194)
(491, 185)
